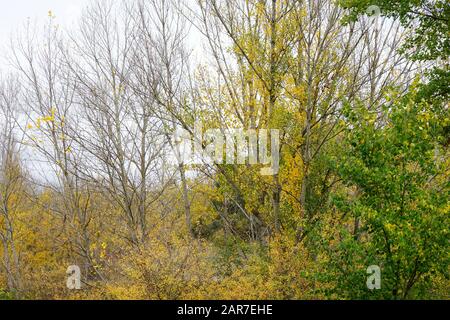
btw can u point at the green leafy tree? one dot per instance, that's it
(396, 165)
(430, 19)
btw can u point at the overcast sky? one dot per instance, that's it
(14, 13)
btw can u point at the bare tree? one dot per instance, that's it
(161, 74)
(48, 108)
(122, 139)
(12, 186)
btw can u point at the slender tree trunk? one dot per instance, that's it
(187, 204)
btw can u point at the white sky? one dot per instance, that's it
(14, 14)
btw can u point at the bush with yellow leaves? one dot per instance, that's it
(167, 266)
